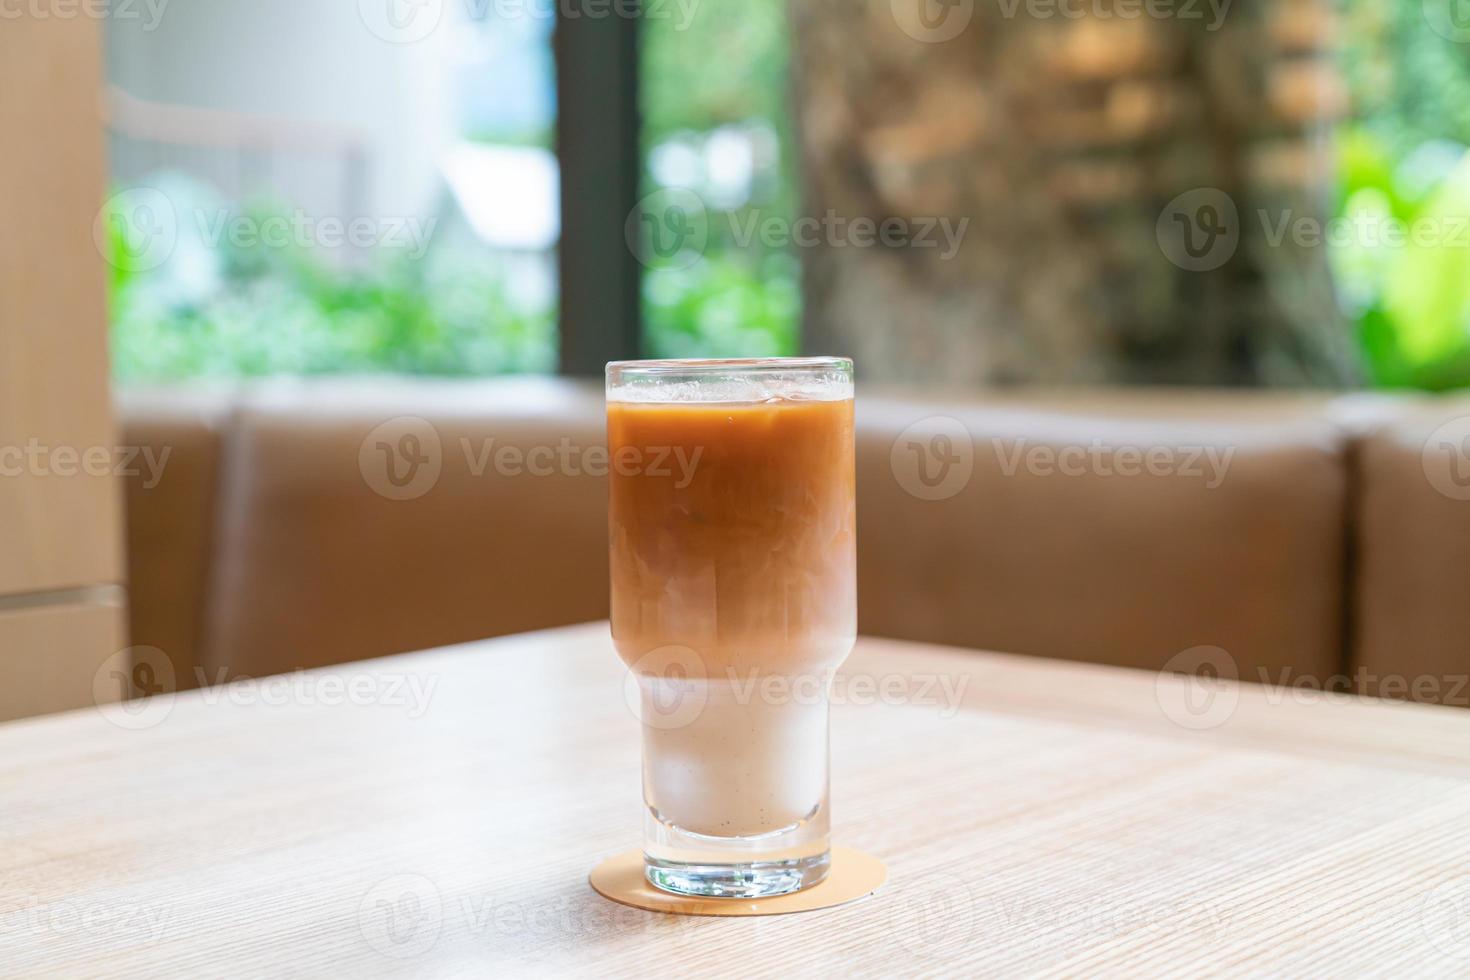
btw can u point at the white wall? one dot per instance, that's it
(315, 60)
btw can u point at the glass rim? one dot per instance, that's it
(721, 365)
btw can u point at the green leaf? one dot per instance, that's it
(1427, 292)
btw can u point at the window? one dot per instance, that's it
(1400, 244)
(307, 188)
(719, 161)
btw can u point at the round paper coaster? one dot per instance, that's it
(854, 875)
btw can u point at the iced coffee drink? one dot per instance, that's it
(732, 548)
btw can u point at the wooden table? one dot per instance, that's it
(1059, 820)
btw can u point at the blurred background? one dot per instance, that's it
(303, 271)
(1062, 133)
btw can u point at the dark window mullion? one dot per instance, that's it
(597, 131)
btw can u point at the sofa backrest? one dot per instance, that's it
(1411, 554)
(306, 523)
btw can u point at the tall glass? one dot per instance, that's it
(732, 546)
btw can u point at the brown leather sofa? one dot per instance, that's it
(1308, 537)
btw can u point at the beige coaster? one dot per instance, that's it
(854, 875)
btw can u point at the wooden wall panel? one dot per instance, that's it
(56, 531)
(50, 656)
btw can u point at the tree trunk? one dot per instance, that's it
(1125, 180)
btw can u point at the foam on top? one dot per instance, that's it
(753, 381)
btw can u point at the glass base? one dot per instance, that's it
(762, 879)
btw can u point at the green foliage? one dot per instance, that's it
(1403, 168)
(726, 67)
(222, 310)
(723, 307)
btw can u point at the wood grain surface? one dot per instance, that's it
(437, 814)
(63, 508)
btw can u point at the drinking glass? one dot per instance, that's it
(733, 561)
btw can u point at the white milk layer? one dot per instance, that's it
(728, 758)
